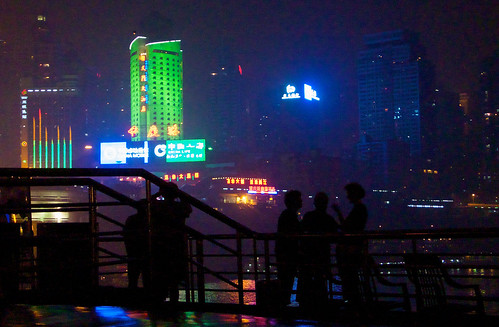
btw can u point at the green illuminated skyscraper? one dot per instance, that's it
(156, 81)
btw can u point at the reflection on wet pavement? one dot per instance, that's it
(64, 315)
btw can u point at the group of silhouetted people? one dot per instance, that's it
(166, 267)
(301, 251)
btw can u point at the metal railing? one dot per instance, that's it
(222, 267)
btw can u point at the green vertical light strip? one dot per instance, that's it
(46, 149)
(70, 148)
(46, 154)
(40, 136)
(58, 154)
(40, 153)
(52, 155)
(64, 151)
(58, 148)
(34, 143)
(34, 154)
(70, 154)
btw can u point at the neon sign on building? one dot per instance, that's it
(262, 190)
(291, 93)
(308, 93)
(121, 153)
(181, 177)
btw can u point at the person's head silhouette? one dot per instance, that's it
(355, 192)
(293, 200)
(320, 201)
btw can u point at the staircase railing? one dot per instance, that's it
(220, 263)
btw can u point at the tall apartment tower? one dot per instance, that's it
(228, 118)
(389, 93)
(156, 81)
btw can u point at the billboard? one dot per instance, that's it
(308, 93)
(186, 150)
(152, 152)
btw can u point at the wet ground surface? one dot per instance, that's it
(65, 315)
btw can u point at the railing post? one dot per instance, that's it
(255, 259)
(200, 270)
(94, 246)
(267, 259)
(148, 280)
(240, 279)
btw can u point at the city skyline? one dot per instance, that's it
(273, 43)
(309, 60)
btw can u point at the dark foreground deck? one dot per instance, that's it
(123, 307)
(217, 315)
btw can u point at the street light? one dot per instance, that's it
(473, 197)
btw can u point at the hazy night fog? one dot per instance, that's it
(269, 45)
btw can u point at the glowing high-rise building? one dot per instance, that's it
(156, 81)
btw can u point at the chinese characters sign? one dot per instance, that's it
(185, 150)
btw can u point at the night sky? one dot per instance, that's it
(273, 41)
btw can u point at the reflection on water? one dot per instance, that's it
(225, 293)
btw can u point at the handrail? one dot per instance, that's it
(113, 172)
(235, 246)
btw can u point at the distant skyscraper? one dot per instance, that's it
(227, 115)
(156, 81)
(49, 105)
(43, 52)
(389, 94)
(489, 103)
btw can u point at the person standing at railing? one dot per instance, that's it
(135, 237)
(287, 246)
(169, 256)
(315, 269)
(350, 252)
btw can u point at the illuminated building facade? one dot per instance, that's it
(156, 81)
(245, 190)
(46, 135)
(389, 92)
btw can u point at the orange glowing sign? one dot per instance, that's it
(142, 57)
(246, 180)
(173, 130)
(153, 131)
(134, 130)
(143, 68)
(143, 78)
(143, 109)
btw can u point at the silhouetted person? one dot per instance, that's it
(168, 242)
(350, 252)
(316, 266)
(287, 248)
(135, 236)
